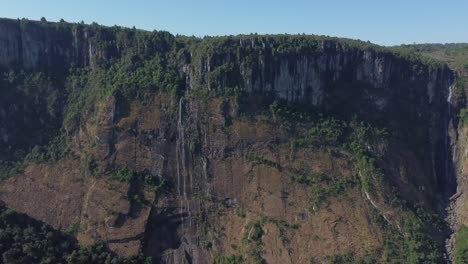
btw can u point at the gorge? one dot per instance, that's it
(236, 149)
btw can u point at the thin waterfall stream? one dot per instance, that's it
(450, 188)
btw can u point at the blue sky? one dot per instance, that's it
(386, 22)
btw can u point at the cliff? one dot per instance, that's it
(42, 45)
(278, 149)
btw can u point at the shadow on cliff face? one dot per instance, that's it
(161, 234)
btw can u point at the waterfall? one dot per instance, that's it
(181, 162)
(374, 204)
(450, 188)
(178, 150)
(450, 181)
(181, 135)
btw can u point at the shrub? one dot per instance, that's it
(121, 175)
(319, 194)
(57, 149)
(257, 232)
(232, 259)
(463, 117)
(8, 169)
(253, 238)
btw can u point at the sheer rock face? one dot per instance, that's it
(309, 78)
(204, 148)
(368, 83)
(371, 84)
(32, 46)
(29, 46)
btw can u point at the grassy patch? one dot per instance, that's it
(460, 254)
(463, 117)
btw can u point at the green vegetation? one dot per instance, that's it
(226, 75)
(298, 175)
(10, 168)
(363, 142)
(129, 64)
(232, 259)
(456, 54)
(320, 194)
(122, 175)
(412, 243)
(366, 145)
(134, 74)
(309, 179)
(284, 227)
(253, 240)
(139, 182)
(283, 112)
(257, 160)
(256, 232)
(35, 98)
(57, 149)
(289, 45)
(418, 245)
(360, 138)
(24, 240)
(202, 94)
(460, 87)
(145, 179)
(350, 258)
(460, 254)
(73, 230)
(463, 117)
(324, 132)
(206, 95)
(410, 55)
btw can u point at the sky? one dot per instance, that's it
(385, 22)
